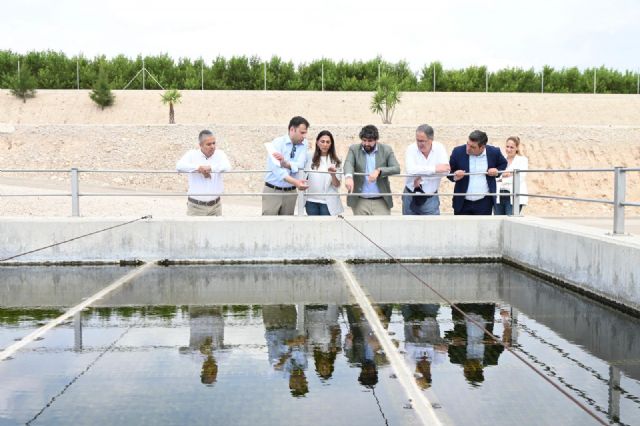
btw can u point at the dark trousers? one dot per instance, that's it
(316, 209)
(483, 206)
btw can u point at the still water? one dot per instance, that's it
(274, 344)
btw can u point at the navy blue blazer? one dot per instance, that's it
(459, 160)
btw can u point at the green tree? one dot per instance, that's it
(386, 98)
(23, 84)
(171, 96)
(101, 93)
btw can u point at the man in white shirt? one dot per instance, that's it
(204, 166)
(425, 158)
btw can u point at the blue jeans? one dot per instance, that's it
(316, 209)
(430, 207)
(505, 207)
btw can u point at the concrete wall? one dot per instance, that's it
(261, 238)
(585, 257)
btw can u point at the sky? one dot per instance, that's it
(458, 33)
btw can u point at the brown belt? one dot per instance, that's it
(204, 203)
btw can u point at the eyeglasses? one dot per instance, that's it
(293, 151)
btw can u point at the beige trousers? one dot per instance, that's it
(367, 207)
(198, 210)
(283, 204)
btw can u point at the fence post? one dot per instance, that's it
(434, 78)
(486, 81)
(515, 193)
(619, 184)
(75, 189)
(300, 202)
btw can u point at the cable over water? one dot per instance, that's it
(480, 326)
(75, 238)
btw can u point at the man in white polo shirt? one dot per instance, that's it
(425, 158)
(205, 180)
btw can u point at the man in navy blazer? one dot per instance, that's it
(475, 157)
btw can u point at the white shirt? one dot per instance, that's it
(478, 183)
(519, 162)
(417, 164)
(198, 184)
(322, 183)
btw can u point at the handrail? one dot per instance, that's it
(618, 202)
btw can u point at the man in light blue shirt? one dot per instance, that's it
(289, 158)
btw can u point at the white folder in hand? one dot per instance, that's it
(271, 150)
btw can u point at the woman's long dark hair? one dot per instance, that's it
(315, 161)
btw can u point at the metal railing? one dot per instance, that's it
(619, 190)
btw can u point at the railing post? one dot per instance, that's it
(75, 190)
(300, 202)
(619, 189)
(515, 193)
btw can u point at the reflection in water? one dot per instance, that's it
(469, 345)
(286, 345)
(423, 343)
(361, 345)
(206, 335)
(324, 337)
(291, 349)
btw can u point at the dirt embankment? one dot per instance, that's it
(63, 129)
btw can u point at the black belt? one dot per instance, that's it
(279, 188)
(204, 203)
(371, 198)
(426, 197)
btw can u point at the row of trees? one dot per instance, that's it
(54, 70)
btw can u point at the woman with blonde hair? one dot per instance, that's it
(515, 161)
(324, 159)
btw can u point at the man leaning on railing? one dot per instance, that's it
(205, 180)
(287, 157)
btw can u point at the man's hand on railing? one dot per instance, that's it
(205, 171)
(373, 176)
(458, 174)
(492, 171)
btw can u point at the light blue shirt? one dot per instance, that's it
(275, 176)
(477, 183)
(370, 188)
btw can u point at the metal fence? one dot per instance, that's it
(618, 202)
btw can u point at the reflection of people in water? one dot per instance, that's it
(323, 332)
(206, 334)
(507, 333)
(468, 344)
(285, 344)
(362, 347)
(423, 343)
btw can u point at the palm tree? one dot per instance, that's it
(171, 96)
(386, 98)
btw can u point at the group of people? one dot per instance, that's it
(476, 168)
